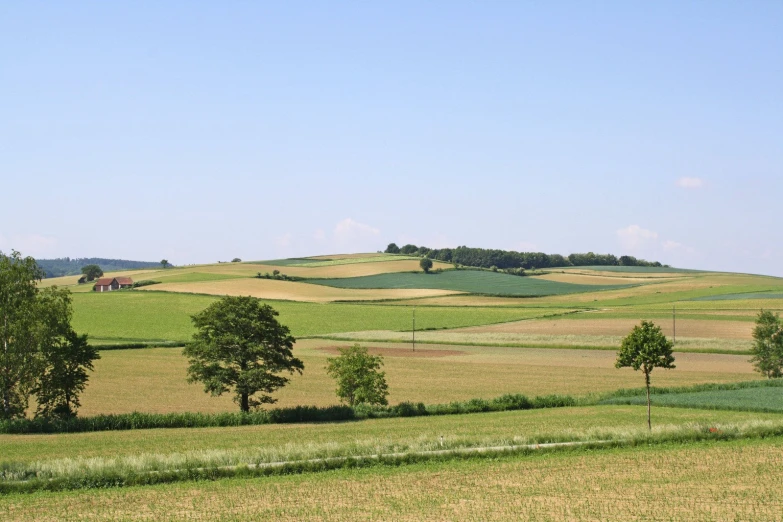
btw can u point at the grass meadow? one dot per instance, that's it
(165, 316)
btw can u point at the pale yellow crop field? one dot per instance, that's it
(622, 275)
(599, 326)
(154, 379)
(292, 291)
(348, 270)
(593, 279)
(468, 300)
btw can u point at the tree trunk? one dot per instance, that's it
(6, 365)
(647, 382)
(244, 405)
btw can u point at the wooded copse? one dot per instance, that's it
(505, 259)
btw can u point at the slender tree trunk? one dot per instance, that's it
(244, 405)
(7, 376)
(647, 382)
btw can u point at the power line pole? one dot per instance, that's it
(414, 328)
(674, 323)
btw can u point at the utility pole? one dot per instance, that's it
(674, 323)
(414, 328)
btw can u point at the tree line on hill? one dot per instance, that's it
(508, 259)
(65, 266)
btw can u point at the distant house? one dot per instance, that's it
(107, 284)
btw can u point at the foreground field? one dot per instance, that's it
(738, 480)
(286, 441)
(153, 379)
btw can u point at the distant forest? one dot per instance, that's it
(63, 266)
(506, 259)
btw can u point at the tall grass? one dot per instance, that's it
(79, 473)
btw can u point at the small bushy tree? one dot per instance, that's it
(392, 249)
(359, 376)
(646, 348)
(164, 263)
(409, 249)
(240, 346)
(425, 264)
(92, 272)
(767, 347)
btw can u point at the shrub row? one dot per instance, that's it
(131, 346)
(138, 421)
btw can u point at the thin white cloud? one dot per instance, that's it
(526, 246)
(634, 237)
(690, 183)
(284, 241)
(34, 245)
(348, 229)
(671, 245)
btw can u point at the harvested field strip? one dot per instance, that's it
(733, 297)
(596, 324)
(291, 291)
(334, 260)
(473, 281)
(590, 279)
(67, 474)
(706, 481)
(552, 342)
(346, 270)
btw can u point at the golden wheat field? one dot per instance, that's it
(154, 379)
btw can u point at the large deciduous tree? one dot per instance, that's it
(19, 361)
(425, 264)
(41, 354)
(240, 347)
(646, 348)
(92, 272)
(767, 347)
(358, 376)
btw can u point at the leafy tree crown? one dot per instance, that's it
(645, 348)
(240, 346)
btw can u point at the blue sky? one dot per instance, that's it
(203, 131)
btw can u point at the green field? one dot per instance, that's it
(749, 399)
(165, 316)
(472, 281)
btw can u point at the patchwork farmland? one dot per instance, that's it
(459, 346)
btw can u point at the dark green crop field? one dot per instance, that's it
(767, 399)
(473, 281)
